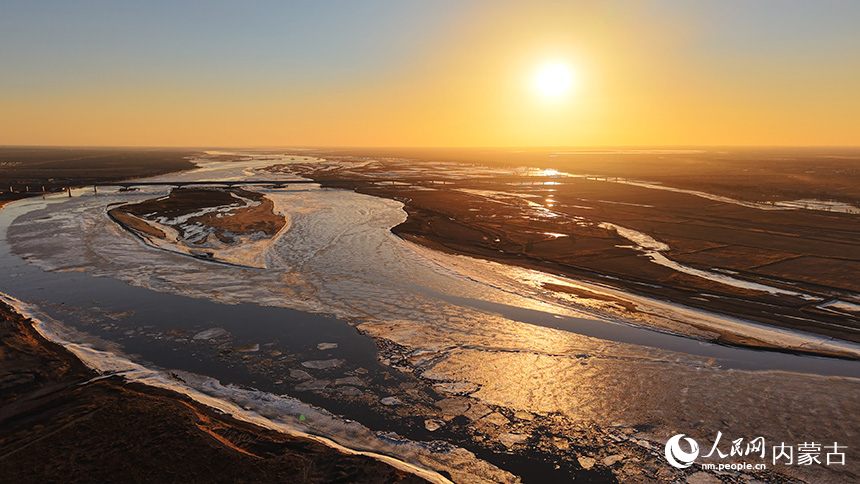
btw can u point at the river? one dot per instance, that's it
(347, 319)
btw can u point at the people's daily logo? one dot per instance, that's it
(682, 451)
(677, 456)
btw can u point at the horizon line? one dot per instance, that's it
(440, 147)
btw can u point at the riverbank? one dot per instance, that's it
(105, 430)
(651, 250)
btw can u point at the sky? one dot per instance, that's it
(429, 73)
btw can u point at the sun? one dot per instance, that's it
(554, 79)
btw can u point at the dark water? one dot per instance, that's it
(159, 328)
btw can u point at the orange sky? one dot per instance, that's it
(443, 74)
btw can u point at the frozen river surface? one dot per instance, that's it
(473, 330)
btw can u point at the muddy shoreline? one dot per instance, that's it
(107, 430)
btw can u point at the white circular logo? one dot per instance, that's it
(677, 457)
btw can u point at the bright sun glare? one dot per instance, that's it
(554, 79)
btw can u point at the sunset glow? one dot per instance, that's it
(440, 73)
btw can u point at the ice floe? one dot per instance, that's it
(211, 333)
(283, 414)
(322, 364)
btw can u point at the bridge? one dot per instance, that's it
(280, 183)
(339, 183)
(128, 185)
(228, 183)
